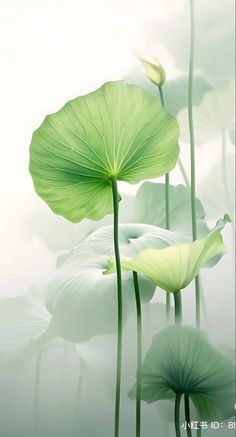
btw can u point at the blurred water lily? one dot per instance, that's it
(149, 207)
(213, 116)
(174, 267)
(82, 299)
(182, 361)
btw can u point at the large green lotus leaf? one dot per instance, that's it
(149, 207)
(24, 321)
(118, 131)
(83, 301)
(133, 238)
(181, 360)
(174, 267)
(214, 114)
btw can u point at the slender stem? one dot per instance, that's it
(198, 301)
(119, 306)
(190, 120)
(192, 152)
(177, 411)
(38, 364)
(167, 206)
(168, 308)
(167, 178)
(199, 432)
(187, 414)
(178, 307)
(183, 172)
(139, 354)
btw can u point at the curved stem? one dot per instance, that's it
(119, 306)
(187, 414)
(38, 365)
(192, 152)
(177, 411)
(178, 307)
(139, 354)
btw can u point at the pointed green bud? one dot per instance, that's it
(154, 70)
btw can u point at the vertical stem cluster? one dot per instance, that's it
(119, 306)
(192, 151)
(139, 355)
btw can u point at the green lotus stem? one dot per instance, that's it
(192, 153)
(36, 400)
(177, 411)
(167, 178)
(199, 432)
(119, 301)
(167, 206)
(178, 307)
(187, 414)
(139, 354)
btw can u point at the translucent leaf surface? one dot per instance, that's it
(149, 207)
(116, 131)
(174, 267)
(182, 360)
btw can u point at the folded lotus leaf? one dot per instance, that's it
(118, 131)
(83, 301)
(133, 238)
(181, 360)
(174, 267)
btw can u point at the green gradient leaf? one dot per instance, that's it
(174, 267)
(181, 360)
(118, 131)
(149, 207)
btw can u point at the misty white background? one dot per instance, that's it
(53, 51)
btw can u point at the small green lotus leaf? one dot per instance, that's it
(212, 116)
(83, 301)
(118, 131)
(154, 70)
(24, 321)
(174, 267)
(149, 207)
(133, 238)
(181, 360)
